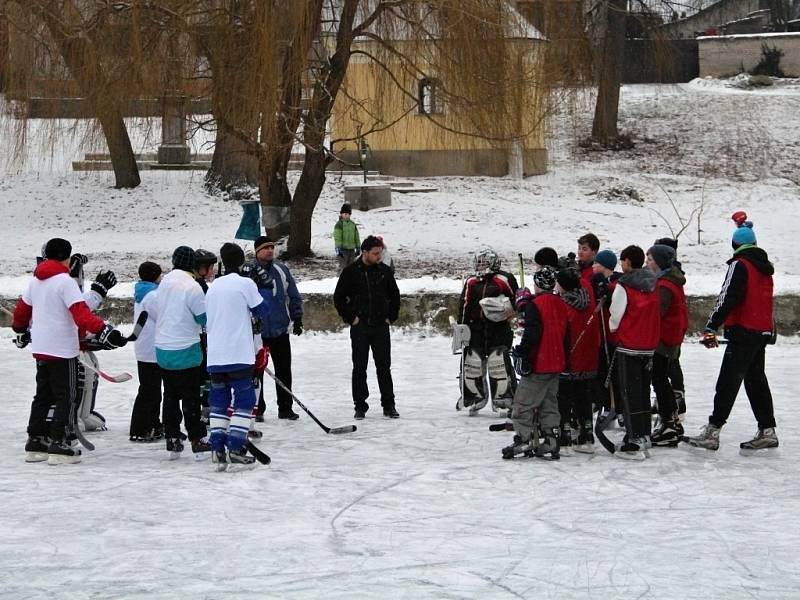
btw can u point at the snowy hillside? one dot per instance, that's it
(735, 149)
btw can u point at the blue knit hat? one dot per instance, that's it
(606, 258)
(744, 235)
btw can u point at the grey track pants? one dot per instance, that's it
(536, 391)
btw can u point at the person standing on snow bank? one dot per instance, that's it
(55, 310)
(367, 299)
(345, 238)
(744, 307)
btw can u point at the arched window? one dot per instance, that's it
(428, 100)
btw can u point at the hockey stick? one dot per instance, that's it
(521, 271)
(604, 420)
(138, 326)
(596, 310)
(121, 378)
(507, 426)
(334, 430)
(719, 342)
(260, 456)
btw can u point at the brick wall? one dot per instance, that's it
(726, 55)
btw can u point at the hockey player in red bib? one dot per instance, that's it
(635, 321)
(744, 307)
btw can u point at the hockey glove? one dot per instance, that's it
(522, 298)
(709, 339)
(111, 338)
(104, 281)
(258, 274)
(22, 339)
(522, 362)
(297, 327)
(76, 263)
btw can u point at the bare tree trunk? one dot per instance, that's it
(232, 163)
(83, 63)
(306, 196)
(612, 49)
(276, 199)
(123, 161)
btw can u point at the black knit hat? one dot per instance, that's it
(569, 279)
(262, 241)
(545, 278)
(665, 241)
(546, 257)
(149, 271)
(57, 249)
(346, 208)
(183, 258)
(232, 256)
(662, 255)
(370, 242)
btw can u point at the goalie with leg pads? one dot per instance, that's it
(485, 308)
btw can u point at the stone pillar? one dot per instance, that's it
(173, 149)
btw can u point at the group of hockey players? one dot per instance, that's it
(595, 340)
(208, 345)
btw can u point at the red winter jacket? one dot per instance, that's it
(640, 327)
(674, 313)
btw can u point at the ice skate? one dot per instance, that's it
(240, 460)
(668, 434)
(632, 449)
(36, 449)
(565, 441)
(61, 453)
(220, 459)
(680, 400)
(201, 449)
(174, 448)
(517, 448)
(550, 445)
(708, 438)
(585, 442)
(764, 441)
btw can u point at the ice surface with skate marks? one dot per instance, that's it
(420, 507)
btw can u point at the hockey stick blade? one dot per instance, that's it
(260, 456)
(344, 429)
(121, 378)
(325, 428)
(602, 423)
(501, 426)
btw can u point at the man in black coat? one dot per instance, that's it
(368, 300)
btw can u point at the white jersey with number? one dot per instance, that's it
(229, 327)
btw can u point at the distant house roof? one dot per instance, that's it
(393, 27)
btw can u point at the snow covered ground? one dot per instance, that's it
(421, 507)
(735, 149)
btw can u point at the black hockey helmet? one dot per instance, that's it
(204, 258)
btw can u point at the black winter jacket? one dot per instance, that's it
(367, 292)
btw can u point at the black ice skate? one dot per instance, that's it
(764, 441)
(518, 447)
(174, 448)
(668, 434)
(550, 446)
(240, 460)
(61, 453)
(565, 440)
(632, 449)
(36, 448)
(201, 449)
(585, 442)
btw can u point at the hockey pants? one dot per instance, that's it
(230, 430)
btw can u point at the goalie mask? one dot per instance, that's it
(486, 261)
